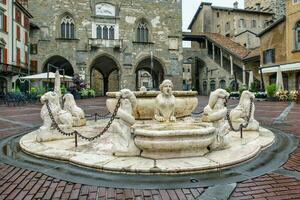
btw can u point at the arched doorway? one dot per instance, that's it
(204, 88)
(156, 72)
(104, 75)
(61, 63)
(212, 86)
(3, 86)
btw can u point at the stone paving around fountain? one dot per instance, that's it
(17, 183)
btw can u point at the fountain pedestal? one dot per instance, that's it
(173, 140)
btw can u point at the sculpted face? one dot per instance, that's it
(167, 88)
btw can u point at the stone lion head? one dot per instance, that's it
(50, 97)
(69, 99)
(217, 94)
(247, 95)
(166, 87)
(127, 94)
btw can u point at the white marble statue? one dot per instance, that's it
(216, 110)
(240, 114)
(63, 118)
(215, 113)
(77, 113)
(123, 144)
(143, 89)
(165, 103)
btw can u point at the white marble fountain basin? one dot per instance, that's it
(173, 140)
(186, 103)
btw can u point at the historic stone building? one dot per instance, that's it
(107, 42)
(275, 6)
(280, 48)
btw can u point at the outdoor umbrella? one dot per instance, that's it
(279, 80)
(45, 76)
(251, 79)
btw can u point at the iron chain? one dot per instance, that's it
(56, 126)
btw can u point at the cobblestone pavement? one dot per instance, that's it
(17, 183)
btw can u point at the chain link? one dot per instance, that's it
(56, 126)
(241, 125)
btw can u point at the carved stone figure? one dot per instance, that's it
(240, 114)
(143, 89)
(165, 103)
(123, 144)
(63, 118)
(216, 110)
(77, 113)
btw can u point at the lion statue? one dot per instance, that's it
(216, 109)
(77, 113)
(63, 118)
(240, 113)
(165, 103)
(123, 143)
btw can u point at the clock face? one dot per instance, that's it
(105, 9)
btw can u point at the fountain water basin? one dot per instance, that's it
(173, 140)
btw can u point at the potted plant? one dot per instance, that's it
(271, 91)
(260, 96)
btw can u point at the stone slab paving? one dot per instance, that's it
(17, 183)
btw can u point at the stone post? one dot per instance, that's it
(244, 74)
(231, 65)
(221, 52)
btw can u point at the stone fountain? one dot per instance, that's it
(150, 132)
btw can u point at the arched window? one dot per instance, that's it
(111, 32)
(99, 32)
(222, 84)
(67, 27)
(142, 32)
(212, 86)
(105, 32)
(297, 35)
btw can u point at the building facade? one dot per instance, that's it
(274, 6)
(107, 42)
(240, 25)
(280, 48)
(14, 43)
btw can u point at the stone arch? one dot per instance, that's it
(60, 62)
(157, 72)
(58, 24)
(104, 74)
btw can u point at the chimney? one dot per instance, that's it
(236, 5)
(258, 6)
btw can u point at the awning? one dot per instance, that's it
(45, 76)
(283, 68)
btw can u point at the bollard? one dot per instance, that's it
(298, 97)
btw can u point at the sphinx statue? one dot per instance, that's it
(165, 103)
(123, 144)
(244, 113)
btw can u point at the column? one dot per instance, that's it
(213, 51)
(231, 65)
(206, 44)
(221, 52)
(244, 74)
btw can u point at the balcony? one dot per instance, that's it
(8, 69)
(101, 43)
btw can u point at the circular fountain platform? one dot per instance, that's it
(97, 155)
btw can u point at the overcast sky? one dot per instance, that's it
(189, 8)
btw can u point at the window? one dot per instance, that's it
(253, 23)
(26, 38)
(242, 23)
(142, 32)
(67, 28)
(18, 15)
(106, 32)
(227, 26)
(3, 2)
(18, 33)
(296, 1)
(297, 35)
(33, 49)
(26, 23)
(222, 84)
(212, 86)
(269, 56)
(18, 56)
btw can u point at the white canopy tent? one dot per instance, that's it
(279, 80)
(45, 76)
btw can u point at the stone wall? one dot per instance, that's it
(162, 17)
(278, 7)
